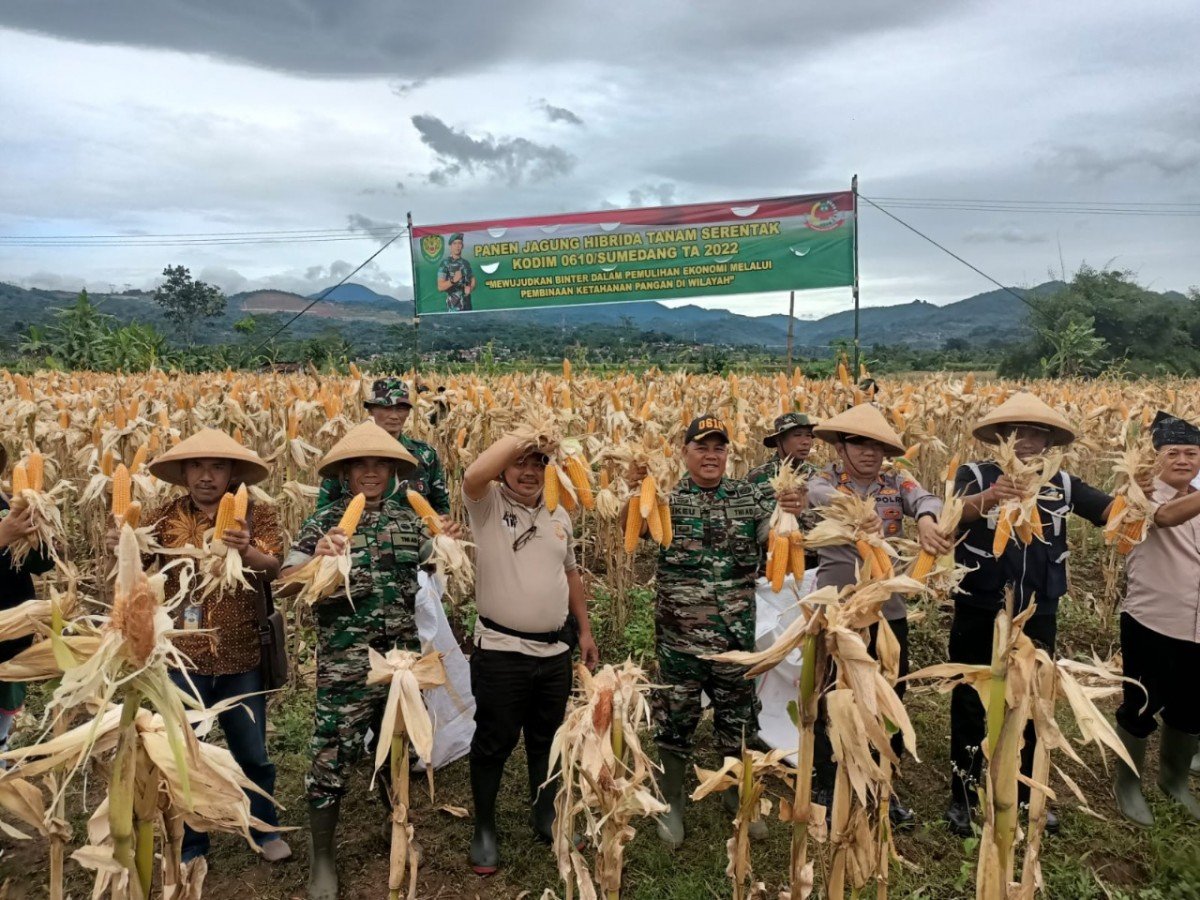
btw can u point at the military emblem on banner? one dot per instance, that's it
(825, 216)
(431, 247)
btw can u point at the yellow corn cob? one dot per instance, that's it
(64, 419)
(633, 526)
(664, 518)
(565, 500)
(20, 479)
(241, 503)
(1003, 533)
(121, 493)
(923, 565)
(460, 439)
(106, 463)
(293, 425)
(225, 520)
(843, 374)
(35, 467)
(883, 562)
(427, 513)
(605, 479)
(566, 368)
(778, 560)
(132, 412)
(580, 477)
(164, 421)
(153, 443)
(353, 514)
(1024, 533)
(647, 497)
(133, 515)
(550, 489)
(655, 524)
(796, 555)
(139, 458)
(1131, 535)
(354, 371)
(867, 554)
(119, 418)
(1118, 506)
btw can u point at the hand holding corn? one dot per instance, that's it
(930, 537)
(17, 524)
(793, 500)
(237, 538)
(333, 544)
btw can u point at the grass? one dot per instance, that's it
(1089, 858)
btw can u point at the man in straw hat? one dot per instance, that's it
(379, 613)
(1160, 628)
(863, 439)
(225, 651)
(527, 585)
(1036, 572)
(389, 405)
(705, 604)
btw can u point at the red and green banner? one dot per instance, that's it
(614, 256)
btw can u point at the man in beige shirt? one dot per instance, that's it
(526, 583)
(1160, 628)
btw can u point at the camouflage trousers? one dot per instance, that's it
(346, 709)
(676, 706)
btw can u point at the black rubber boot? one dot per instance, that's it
(670, 784)
(485, 844)
(541, 798)
(900, 815)
(1176, 749)
(322, 851)
(958, 817)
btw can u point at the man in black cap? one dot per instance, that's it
(456, 276)
(1160, 628)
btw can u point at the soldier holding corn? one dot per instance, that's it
(863, 438)
(379, 612)
(1036, 572)
(705, 605)
(225, 650)
(792, 441)
(389, 405)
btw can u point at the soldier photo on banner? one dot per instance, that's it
(456, 277)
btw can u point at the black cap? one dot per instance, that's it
(457, 236)
(1169, 429)
(705, 426)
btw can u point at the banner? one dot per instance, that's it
(614, 256)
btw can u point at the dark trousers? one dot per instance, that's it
(1165, 667)
(971, 642)
(823, 764)
(246, 739)
(515, 694)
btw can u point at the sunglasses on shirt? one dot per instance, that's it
(524, 537)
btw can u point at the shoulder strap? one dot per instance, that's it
(1066, 486)
(978, 473)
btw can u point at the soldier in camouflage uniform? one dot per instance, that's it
(379, 613)
(705, 604)
(389, 405)
(792, 440)
(456, 277)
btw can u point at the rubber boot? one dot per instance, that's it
(322, 851)
(1127, 785)
(670, 823)
(729, 799)
(1175, 752)
(485, 844)
(541, 798)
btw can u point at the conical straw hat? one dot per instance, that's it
(209, 444)
(367, 439)
(863, 420)
(1024, 408)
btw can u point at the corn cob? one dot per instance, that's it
(139, 457)
(796, 555)
(133, 514)
(225, 520)
(121, 493)
(422, 508)
(1024, 533)
(633, 526)
(923, 565)
(778, 559)
(20, 479)
(352, 515)
(668, 530)
(565, 500)
(867, 554)
(241, 503)
(1003, 533)
(580, 477)
(883, 562)
(648, 496)
(1118, 506)
(550, 489)
(35, 467)
(106, 463)
(655, 525)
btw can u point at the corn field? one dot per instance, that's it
(91, 436)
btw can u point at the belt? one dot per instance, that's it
(543, 637)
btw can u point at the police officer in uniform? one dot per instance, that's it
(704, 605)
(1036, 573)
(389, 405)
(863, 439)
(456, 277)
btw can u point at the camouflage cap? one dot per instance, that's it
(457, 236)
(786, 423)
(388, 392)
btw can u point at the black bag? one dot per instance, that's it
(272, 640)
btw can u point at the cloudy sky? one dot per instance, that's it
(1067, 132)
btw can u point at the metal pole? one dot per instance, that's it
(854, 208)
(416, 294)
(791, 322)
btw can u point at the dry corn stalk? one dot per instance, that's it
(405, 720)
(1021, 685)
(606, 777)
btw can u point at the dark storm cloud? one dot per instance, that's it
(508, 159)
(411, 40)
(559, 113)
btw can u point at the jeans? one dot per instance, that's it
(246, 740)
